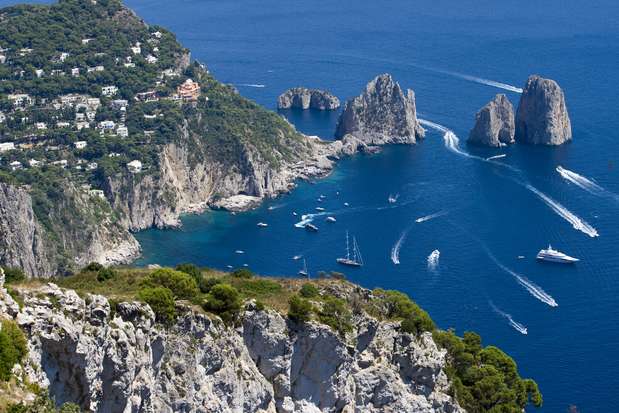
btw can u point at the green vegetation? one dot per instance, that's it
(105, 274)
(43, 404)
(300, 309)
(13, 274)
(181, 284)
(13, 348)
(161, 300)
(336, 314)
(485, 379)
(309, 291)
(225, 301)
(400, 306)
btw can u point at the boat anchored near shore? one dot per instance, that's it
(356, 260)
(552, 255)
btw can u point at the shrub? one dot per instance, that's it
(105, 274)
(259, 287)
(182, 285)
(260, 305)
(242, 273)
(335, 313)
(299, 309)
(399, 305)
(309, 291)
(225, 301)
(13, 274)
(161, 300)
(43, 404)
(208, 283)
(93, 267)
(13, 348)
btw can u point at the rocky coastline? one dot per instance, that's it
(494, 123)
(304, 98)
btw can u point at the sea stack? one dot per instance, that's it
(542, 117)
(382, 114)
(494, 123)
(304, 98)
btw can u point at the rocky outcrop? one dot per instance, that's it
(115, 360)
(382, 114)
(494, 123)
(304, 98)
(542, 117)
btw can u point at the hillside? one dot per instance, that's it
(107, 127)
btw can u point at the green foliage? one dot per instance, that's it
(161, 300)
(208, 283)
(225, 301)
(309, 291)
(485, 379)
(399, 305)
(13, 274)
(260, 305)
(299, 309)
(258, 287)
(242, 273)
(94, 267)
(335, 313)
(43, 404)
(13, 348)
(182, 285)
(105, 274)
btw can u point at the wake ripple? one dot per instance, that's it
(433, 260)
(482, 81)
(578, 223)
(395, 250)
(581, 181)
(255, 85)
(431, 216)
(533, 289)
(308, 218)
(516, 325)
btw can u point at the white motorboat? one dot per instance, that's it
(552, 255)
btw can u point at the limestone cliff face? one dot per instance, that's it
(304, 98)
(382, 114)
(542, 117)
(122, 361)
(83, 230)
(494, 123)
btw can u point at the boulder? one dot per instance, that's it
(494, 123)
(304, 98)
(542, 117)
(382, 114)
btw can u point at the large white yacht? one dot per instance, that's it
(552, 255)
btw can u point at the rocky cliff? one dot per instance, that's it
(542, 117)
(110, 357)
(382, 114)
(494, 123)
(304, 98)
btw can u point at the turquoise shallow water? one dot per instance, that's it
(489, 217)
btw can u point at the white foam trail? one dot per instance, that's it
(496, 157)
(578, 223)
(431, 216)
(580, 181)
(482, 81)
(395, 251)
(533, 289)
(308, 218)
(516, 325)
(256, 85)
(433, 260)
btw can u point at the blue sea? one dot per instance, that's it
(488, 219)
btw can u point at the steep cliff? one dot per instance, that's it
(119, 359)
(304, 98)
(542, 117)
(382, 114)
(494, 123)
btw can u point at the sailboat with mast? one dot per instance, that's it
(303, 272)
(354, 260)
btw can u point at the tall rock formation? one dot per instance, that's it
(494, 123)
(382, 114)
(542, 117)
(304, 98)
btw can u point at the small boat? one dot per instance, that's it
(320, 209)
(520, 257)
(311, 227)
(322, 196)
(303, 272)
(319, 200)
(239, 252)
(345, 203)
(294, 213)
(262, 224)
(245, 265)
(229, 266)
(297, 257)
(552, 255)
(331, 219)
(352, 261)
(393, 198)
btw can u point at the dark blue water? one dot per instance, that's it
(489, 219)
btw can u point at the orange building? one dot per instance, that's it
(189, 90)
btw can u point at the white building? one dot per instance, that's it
(151, 59)
(97, 193)
(119, 103)
(41, 125)
(157, 34)
(80, 144)
(34, 163)
(7, 146)
(82, 125)
(109, 90)
(86, 41)
(107, 125)
(2, 117)
(136, 49)
(39, 72)
(63, 124)
(134, 166)
(122, 131)
(63, 56)
(62, 163)
(20, 100)
(15, 165)
(75, 71)
(91, 166)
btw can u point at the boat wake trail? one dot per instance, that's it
(516, 325)
(308, 218)
(395, 250)
(482, 81)
(578, 223)
(256, 85)
(583, 182)
(496, 157)
(433, 260)
(431, 216)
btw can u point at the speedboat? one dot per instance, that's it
(262, 224)
(320, 209)
(552, 255)
(330, 219)
(311, 227)
(239, 252)
(346, 204)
